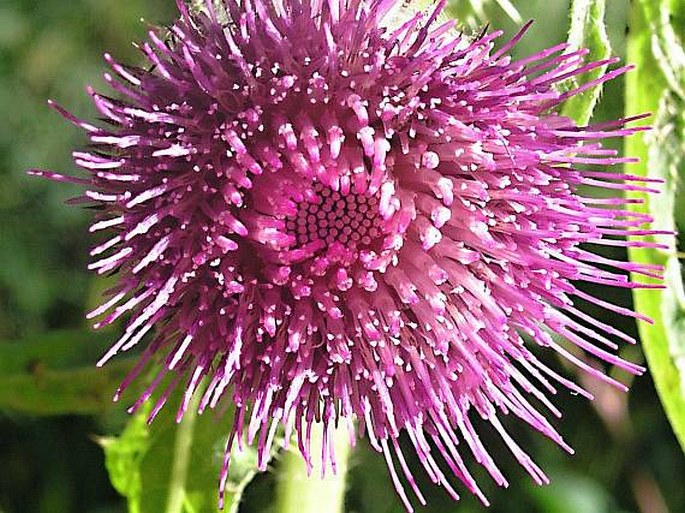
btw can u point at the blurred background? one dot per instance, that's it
(627, 459)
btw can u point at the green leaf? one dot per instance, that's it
(55, 374)
(170, 467)
(673, 314)
(666, 157)
(650, 89)
(472, 12)
(667, 47)
(587, 31)
(510, 9)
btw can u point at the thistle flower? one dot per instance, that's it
(328, 218)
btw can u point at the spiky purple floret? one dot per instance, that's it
(332, 219)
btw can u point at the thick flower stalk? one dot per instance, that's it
(330, 218)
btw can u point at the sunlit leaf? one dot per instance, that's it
(667, 46)
(587, 31)
(650, 89)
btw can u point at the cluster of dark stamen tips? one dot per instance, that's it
(327, 216)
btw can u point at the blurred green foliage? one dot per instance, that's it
(627, 457)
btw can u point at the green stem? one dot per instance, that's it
(182, 451)
(298, 492)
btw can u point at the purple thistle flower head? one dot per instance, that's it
(329, 217)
